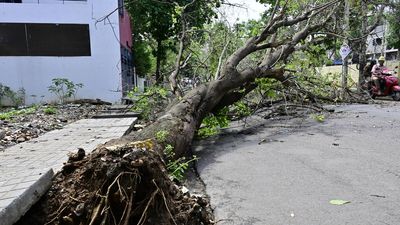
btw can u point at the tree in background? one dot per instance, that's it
(156, 27)
(393, 18)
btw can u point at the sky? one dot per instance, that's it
(251, 10)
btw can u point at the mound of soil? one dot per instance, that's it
(120, 186)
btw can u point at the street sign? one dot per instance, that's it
(344, 51)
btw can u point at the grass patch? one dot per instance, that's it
(50, 110)
(17, 112)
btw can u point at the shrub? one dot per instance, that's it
(17, 98)
(150, 102)
(64, 88)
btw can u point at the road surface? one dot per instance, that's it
(286, 172)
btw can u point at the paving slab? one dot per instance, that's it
(26, 169)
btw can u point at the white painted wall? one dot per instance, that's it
(100, 72)
(375, 50)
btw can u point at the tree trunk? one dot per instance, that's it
(345, 69)
(398, 60)
(159, 78)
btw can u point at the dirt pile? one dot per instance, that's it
(118, 186)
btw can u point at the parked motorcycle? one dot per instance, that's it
(389, 85)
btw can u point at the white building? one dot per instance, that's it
(45, 39)
(377, 44)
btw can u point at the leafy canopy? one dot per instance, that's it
(157, 24)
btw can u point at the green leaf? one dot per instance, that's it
(338, 202)
(319, 118)
(178, 10)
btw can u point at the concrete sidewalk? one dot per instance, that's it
(26, 169)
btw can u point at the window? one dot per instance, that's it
(377, 41)
(40, 1)
(11, 1)
(58, 40)
(44, 40)
(13, 40)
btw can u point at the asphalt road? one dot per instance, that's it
(285, 172)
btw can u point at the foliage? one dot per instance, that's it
(12, 113)
(206, 48)
(169, 151)
(292, 7)
(394, 27)
(162, 135)
(267, 88)
(143, 57)
(150, 102)
(176, 167)
(241, 109)
(16, 97)
(212, 124)
(211, 46)
(50, 110)
(156, 25)
(64, 88)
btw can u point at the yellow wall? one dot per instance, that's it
(353, 69)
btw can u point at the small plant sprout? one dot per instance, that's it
(64, 88)
(176, 167)
(162, 135)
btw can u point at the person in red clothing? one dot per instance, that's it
(376, 71)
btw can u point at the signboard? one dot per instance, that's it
(344, 51)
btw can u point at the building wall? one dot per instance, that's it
(377, 44)
(127, 72)
(125, 29)
(100, 72)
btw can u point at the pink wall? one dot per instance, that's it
(125, 30)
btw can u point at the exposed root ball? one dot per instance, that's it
(124, 187)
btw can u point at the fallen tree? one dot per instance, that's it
(126, 182)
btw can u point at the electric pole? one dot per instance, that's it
(362, 61)
(346, 30)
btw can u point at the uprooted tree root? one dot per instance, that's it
(128, 186)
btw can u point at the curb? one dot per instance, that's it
(20, 205)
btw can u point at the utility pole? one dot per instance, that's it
(346, 29)
(384, 41)
(363, 48)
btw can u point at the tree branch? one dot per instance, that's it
(220, 59)
(173, 77)
(271, 44)
(285, 22)
(251, 44)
